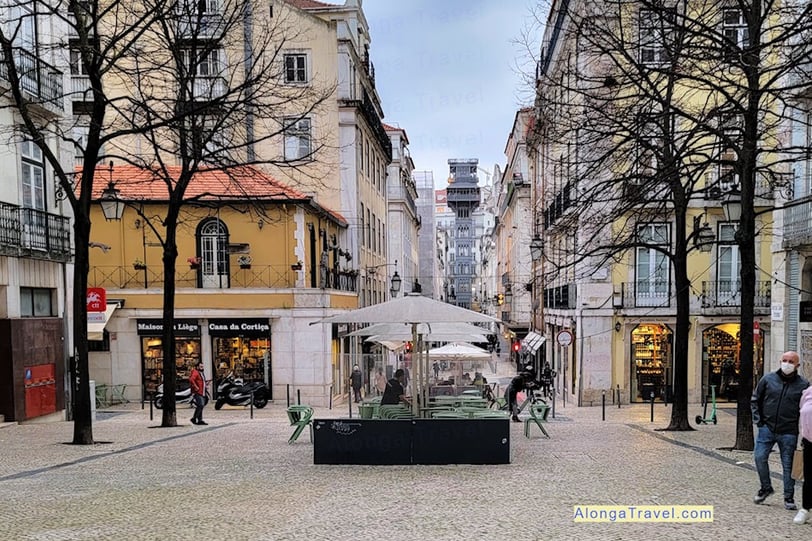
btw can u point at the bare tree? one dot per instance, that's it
(197, 83)
(663, 110)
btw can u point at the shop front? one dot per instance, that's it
(651, 358)
(721, 366)
(187, 351)
(242, 347)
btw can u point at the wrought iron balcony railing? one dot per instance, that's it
(39, 80)
(34, 233)
(646, 293)
(727, 293)
(255, 277)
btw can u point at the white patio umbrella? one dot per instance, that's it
(412, 309)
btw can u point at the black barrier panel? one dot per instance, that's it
(362, 441)
(461, 441)
(418, 441)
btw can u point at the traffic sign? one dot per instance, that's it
(564, 338)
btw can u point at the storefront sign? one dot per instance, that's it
(154, 327)
(806, 311)
(778, 311)
(96, 299)
(259, 328)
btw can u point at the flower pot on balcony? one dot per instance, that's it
(194, 266)
(296, 267)
(139, 266)
(245, 266)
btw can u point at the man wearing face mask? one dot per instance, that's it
(776, 410)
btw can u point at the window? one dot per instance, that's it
(203, 62)
(36, 302)
(652, 270)
(205, 137)
(295, 68)
(731, 140)
(77, 67)
(212, 238)
(33, 176)
(734, 28)
(656, 31)
(298, 139)
(728, 267)
(363, 227)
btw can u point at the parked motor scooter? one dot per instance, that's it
(234, 392)
(183, 395)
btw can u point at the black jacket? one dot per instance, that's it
(776, 402)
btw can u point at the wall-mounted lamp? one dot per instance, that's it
(618, 326)
(732, 204)
(536, 248)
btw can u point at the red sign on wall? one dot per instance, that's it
(96, 299)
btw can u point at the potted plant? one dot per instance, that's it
(139, 265)
(244, 261)
(297, 266)
(194, 262)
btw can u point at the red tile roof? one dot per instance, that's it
(242, 183)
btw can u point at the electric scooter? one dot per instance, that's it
(704, 419)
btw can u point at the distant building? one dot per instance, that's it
(428, 270)
(463, 197)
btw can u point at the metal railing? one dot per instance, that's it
(798, 222)
(35, 233)
(40, 80)
(255, 277)
(646, 293)
(727, 293)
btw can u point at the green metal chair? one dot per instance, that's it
(538, 416)
(394, 411)
(101, 396)
(300, 416)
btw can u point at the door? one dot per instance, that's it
(214, 268)
(728, 268)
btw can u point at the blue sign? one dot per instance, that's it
(27, 373)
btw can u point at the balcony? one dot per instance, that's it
(206, 89)
(208, 26)
(727, 294)
(647, 294)
(561, 297)
(34, 233)
(798, 223)
(39, 81)
(257, 277)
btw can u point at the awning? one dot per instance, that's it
(532, 342)
(95, 329)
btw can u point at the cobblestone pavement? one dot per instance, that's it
(239, 479)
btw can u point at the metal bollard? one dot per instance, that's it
(331, 398)
(554, 395)
(251, 405)
(652, 406)
(618, 397)
(299, 397)
(288, 391)
(150, 408)
(603, 405)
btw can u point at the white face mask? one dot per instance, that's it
(787, 368)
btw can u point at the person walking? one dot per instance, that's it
(356, 381)
(805, 512)
(198, 384)
(380, 382)
(776, 410)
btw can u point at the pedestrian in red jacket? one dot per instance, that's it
(198, 384)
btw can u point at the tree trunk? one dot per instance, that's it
(170, 255)
(679, 407)
(80, 379)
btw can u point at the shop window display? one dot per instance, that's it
(187, 355)
(246, 358)
(651, 362)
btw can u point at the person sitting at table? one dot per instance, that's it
(394, 393)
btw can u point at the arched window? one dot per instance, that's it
(212, 246)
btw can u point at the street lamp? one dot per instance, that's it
(732, 204)
(395, 287)
(508, 296)
(536, 247)
(112, 206)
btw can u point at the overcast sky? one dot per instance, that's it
(446, 73)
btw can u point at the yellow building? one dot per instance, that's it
(257, 262)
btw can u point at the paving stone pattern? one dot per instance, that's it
(238, 479)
